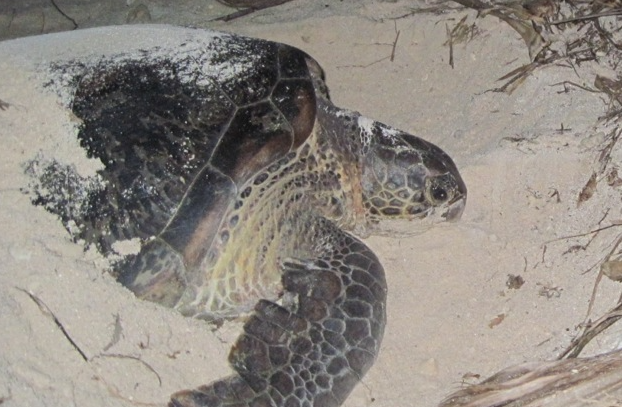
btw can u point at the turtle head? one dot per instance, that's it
(405, 177)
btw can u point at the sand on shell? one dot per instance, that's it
(451, 315)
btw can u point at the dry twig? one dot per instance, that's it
(48, 312)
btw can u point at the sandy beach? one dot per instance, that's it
(455, 311)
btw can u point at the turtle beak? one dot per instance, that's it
(455, 209)
(458, 202)
(442, 166)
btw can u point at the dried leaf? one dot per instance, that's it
(471, 376)
(256, 4)
(116, 334)
(613, 180)
(608, 86)
(514, 282)
(461, 33)
(593, 381)
(534, 41)
(516, 77)
(549, 292)
(588, 190)
(540, 10)
(516, 17)
(496, 321)
(612, 269)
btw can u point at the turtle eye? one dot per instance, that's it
(439, 194)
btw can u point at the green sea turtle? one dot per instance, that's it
(227, 160)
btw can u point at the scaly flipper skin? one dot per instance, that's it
(315, 353)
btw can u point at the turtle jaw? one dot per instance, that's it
(455, 209)
(458, 202)
(442, 176)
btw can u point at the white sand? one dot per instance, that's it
(446, 286)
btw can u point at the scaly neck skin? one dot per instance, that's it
(278, 207)
(341, 135)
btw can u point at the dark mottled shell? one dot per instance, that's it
(178, 137)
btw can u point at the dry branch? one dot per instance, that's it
(595, 381)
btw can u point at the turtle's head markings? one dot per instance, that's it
(405, 177)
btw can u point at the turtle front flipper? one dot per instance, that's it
(314, 353)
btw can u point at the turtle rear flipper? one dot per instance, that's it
(315, 353)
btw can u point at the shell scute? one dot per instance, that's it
(295, 98)
(246, 86)
(170, 131)
(292, 62)
(150, 132)
(202, 210)
(257, 136)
